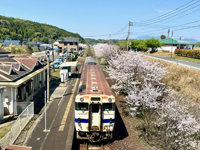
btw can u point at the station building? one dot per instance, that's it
(22, 76)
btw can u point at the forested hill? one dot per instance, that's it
(19, 29)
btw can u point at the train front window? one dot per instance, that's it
(108, 106)
(81, 106)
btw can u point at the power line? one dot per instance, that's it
(173, 26)
(105, 34)
(151, 8)
(173, 30)
(187, 28)
(169, 12)
(169, 17)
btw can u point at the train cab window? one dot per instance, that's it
(95, 108)
(108, 106)
(81, 106)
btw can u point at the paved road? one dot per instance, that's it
(60, 122)
(186, 63)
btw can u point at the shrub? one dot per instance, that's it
(166, 51)
(188, 53)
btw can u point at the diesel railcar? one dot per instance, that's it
(94, 105)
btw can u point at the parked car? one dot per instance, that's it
(57, 64)
(60, 59)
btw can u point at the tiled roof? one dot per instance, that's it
(19, 66)
(7, 59)
(28, 62)
(5, 68)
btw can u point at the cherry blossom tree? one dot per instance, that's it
(84, 46)
(141, 82)
(105, 51)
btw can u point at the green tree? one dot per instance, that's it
(163, 36)
(153, 44)
(138, 44)
(30, 49)
(35, 40)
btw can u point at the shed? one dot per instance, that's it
(65, 69)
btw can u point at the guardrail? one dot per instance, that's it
(18, 126)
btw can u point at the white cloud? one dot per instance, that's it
(162, 11)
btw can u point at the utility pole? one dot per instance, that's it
(130, 24)
(53, 55)
(180, 43)
(48, 88)
(172, 43)
(109, 38)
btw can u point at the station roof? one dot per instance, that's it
(66, 64)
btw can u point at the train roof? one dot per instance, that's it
(93, 81)
(91, 60)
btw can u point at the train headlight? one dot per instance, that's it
(79, 120)
(110, 100)
(81, 99)
(111, 120)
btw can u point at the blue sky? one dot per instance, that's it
(92, 18)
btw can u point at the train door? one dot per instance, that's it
(95, 117)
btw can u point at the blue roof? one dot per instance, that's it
(13, 42)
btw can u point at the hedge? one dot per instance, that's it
(188, 53)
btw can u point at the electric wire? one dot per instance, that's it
(151, 8)
(161, 16)
(170, 16)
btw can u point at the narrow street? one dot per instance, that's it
(193, 64)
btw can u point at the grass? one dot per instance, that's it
(85, 51)
(56, 73)
(5, 130)
(186, 58)
(184, 80)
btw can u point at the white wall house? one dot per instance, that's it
(171, 44)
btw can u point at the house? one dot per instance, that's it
(70, 44)
(176, 44)
(33, 43)
(13, 42)
(23, 76)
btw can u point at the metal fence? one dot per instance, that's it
(18, 126)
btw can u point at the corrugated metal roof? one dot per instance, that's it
(176, 41)
(74, 63)
(13, 42)
(169, 41)
(71, 39)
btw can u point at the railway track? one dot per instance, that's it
(88, 146)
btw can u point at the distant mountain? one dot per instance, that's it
(147, 37)
(191, 40)
(19, 29)
(158, 37)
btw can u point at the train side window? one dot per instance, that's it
(108, 106)
(81, 106)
